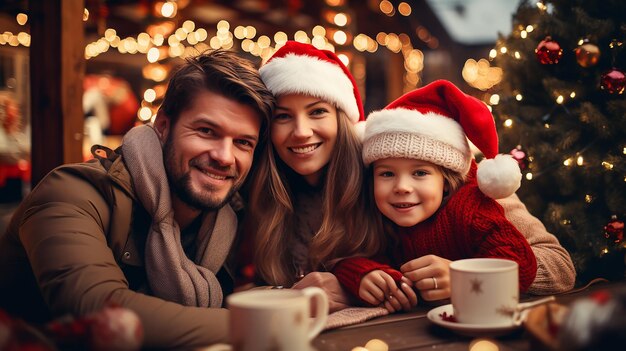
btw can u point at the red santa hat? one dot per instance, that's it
(433, 124)
(298, 68)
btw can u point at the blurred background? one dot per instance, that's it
(75, 73)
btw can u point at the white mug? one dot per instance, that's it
(485, 291)
(276, 319)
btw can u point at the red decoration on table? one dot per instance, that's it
(448, 317)
(613, 81)
(614, 230)
(548, 51)
(587, 54)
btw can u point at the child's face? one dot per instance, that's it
(407, 191)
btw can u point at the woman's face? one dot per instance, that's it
(304, 132)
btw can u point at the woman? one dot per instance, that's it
(311, 209)
(307, 202)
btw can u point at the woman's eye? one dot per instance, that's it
(319, 111)
(386, 174)
(420, 173)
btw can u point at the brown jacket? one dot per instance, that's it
(72, 246)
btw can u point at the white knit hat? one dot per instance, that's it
(433, 124)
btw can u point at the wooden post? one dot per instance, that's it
(57, 67)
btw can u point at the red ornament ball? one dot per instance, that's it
(587, 54)
(520, 156)
(614, 230)
(613, 81)
(548, 51)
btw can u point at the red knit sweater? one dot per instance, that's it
(469, 225)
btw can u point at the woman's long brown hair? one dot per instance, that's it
(347, 228)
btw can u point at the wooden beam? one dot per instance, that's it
(57, 67)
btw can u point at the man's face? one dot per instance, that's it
(208, 151)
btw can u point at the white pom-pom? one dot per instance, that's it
(499, 177)
(359, 129)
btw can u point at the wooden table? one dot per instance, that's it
(413, 330)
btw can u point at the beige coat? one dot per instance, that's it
(66, 251)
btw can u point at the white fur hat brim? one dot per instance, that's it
(302, 74)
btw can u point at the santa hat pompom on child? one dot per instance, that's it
(300, 68)
(433, 124)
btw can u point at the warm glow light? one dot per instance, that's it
(493, 53)
(503, 49)
(145, 113)
(508, 123)
(404, 9)
(168, 9)
(517, 55)
(573, 94)
(85, 15)
(483, 345)
(559, 99)
(567, 162)
(529, 28)
(110, 34)
(300, 36)
(494, 99)
(519, 97)
(250, 32)
(340, 37)
(264, 41)
(341, 19)
(223, 26)
(201, 34)
(579, 160)
(547, 126)
(386, 7)
(344, 59)
(529, 176)
(280, 37)
(149, 95)
(153, 55)
(624, 151)
(523, 34)
(21, 18)
(607, 165)
(588, 198)
(189, 26)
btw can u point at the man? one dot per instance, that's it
(148, 226)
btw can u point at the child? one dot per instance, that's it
(442, 208)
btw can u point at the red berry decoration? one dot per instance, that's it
(613, 81)
(614, 230)
(548, 51)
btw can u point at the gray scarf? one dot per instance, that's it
(171, 275)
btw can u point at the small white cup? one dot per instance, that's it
(276, 319)
(485, 291)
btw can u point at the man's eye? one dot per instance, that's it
(204, 130)
(245, 143)
(281, 117)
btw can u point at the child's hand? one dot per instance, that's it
(379, 288)
(421, 272)
(403, 298)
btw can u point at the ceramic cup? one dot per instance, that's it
(276, 319)
(485, 291)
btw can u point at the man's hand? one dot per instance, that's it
(338, 299)
(430, 275)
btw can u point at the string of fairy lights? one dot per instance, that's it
(561, 99)
(163, 40)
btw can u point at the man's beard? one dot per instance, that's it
(181, 185)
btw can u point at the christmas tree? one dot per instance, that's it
(562, 115)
